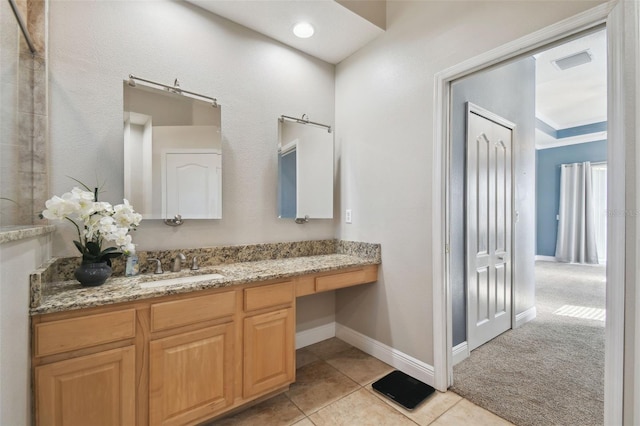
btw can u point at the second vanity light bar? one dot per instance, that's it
(174, 89)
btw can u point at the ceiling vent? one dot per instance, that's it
(573, 60)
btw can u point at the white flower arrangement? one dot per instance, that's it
(101, 222)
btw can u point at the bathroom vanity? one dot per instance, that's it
(123, 353)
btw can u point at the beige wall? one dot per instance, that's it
(18, 260)
(384, 135)
(96, 45)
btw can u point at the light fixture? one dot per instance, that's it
(573, 60)
(303, 30)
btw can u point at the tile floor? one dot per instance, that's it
(333, 387)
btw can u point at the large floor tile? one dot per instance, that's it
(304, 357)
(317, 385)
(467, 413)
(328, 348)
(276, 411)
(359, 408)
(359, 366)
(304, 422)
(428, 410)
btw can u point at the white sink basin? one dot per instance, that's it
(182, 280)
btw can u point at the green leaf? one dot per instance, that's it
(93, 248)
(89, 258)
(110, 255)
(79, 246)
(109, 249)
(81, 183)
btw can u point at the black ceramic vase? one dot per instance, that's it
(92, 274)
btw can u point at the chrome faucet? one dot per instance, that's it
(177, 262)
(158, 266)
(194, 263)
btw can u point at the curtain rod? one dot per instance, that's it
(305, 120)
(22, 25)
(174, 89)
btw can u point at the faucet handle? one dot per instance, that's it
(194, 263)
(158, 266)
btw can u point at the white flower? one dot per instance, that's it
(100, 221)
(125, 216)
(129, 249)
(58, 208)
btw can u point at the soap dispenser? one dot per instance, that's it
(131, 268)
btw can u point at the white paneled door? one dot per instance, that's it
(192, 185)
(488, 225)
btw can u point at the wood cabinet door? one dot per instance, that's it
(269, 351)
(191, 375)
(95, 390)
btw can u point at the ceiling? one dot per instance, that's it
(341, 27)
(573, 97)
(564, 99)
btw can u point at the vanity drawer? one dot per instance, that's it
(268, 295)
(77, 333)
(346, 279)
(177, 313)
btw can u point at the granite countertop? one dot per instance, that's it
(69, 294)
(21, 232)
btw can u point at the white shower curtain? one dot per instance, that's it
(576, 241)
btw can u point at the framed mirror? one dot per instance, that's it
(172, 154)
(305, 170)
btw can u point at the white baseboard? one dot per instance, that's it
(403, 362)
(315, 335)
(526, 316)
(546, 258)
(460, 352)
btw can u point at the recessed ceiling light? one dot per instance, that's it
(303, 30)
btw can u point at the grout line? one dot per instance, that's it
(340, 372)
(447, 410)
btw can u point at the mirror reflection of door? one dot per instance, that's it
(305, 171)
(192, 184)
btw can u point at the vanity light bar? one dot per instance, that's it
(175, 89)
(305, 120)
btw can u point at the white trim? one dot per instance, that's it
(622, 27)
(525, 316)
(442, 354)
(315, 335)
(573, 140)
(403, 362)
(460, 352)
(546, 258)
(440, 233)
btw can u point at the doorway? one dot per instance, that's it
(619, 99)
(521, 79)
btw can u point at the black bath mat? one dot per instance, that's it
(403, 389)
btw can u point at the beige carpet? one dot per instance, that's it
(551, 370)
